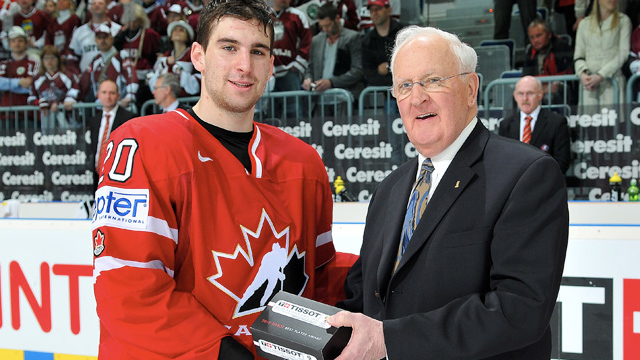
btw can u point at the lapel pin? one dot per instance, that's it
(457, 184)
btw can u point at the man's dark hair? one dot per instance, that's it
(328, 11)
(246, 10)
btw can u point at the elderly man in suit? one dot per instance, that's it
(336, 55)
(105, 122)
(464, 247)
(536, 126)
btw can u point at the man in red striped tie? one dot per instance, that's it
(534, 125)
(106, 121)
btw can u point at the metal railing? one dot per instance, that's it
(30, 117)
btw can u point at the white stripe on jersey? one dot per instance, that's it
(258, 169)
(161, 227)
(324, 238)
(110, 263)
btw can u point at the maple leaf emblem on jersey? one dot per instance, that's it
(264, 261)
(98, 242)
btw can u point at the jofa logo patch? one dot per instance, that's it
(280, 267)
(98, 243)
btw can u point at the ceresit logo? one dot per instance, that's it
(125, 208)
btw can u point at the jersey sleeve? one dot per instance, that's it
(136, 232)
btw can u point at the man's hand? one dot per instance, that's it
(383, 69)
(25, 82)
(323, 85)
(367, 338)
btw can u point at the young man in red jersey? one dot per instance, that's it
(192, 205)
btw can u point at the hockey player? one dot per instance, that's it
(191, 202)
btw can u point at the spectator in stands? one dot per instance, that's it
(34, 22)
(52, 89)
(376, 49)
(61, 28)
(83, 48)
(157, 16)
(19, 65)
(49, 8)
(108, 64)
(366, 22)
(534, 125)
(336, 55)
(602, 47)
(175, 13)
(114, 10)
(348, 12)
(165, 93)
(502, 16)
(178, 60)
(292, 43)
(138, 45)
(547, 55)
(106, 121)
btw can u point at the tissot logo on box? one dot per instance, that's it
(282, 351)
(301, 313)
(128, 208)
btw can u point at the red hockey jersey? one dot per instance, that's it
(60, 30)
(34, 24)
(122, 72)
(12, 68)
(47, 89)
(190, 247)
(144, 61)
(292, 41)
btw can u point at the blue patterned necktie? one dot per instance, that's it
(416, 207)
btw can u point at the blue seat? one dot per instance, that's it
(510, 43)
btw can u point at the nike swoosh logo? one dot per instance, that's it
(204, 158)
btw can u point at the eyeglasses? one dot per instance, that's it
(432, 84)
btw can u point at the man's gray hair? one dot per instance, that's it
(171, 80)
(467, 57)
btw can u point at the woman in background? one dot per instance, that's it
(602, 47)
(53, 89)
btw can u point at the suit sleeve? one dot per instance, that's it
(354, 74)
(142, 314)
(527, 246)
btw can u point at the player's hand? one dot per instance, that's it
(367, 338)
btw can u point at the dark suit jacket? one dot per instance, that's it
(551, 135)
(122, 115)
(347, 73)
(481, 274)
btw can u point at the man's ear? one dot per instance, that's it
(197, 56)
(474, 87)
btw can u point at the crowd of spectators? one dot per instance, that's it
(58, 53)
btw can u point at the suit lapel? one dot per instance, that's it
(541, 124)
(457, 177)
(397, 206)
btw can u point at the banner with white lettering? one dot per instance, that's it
(361, 150)
(46, 167)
